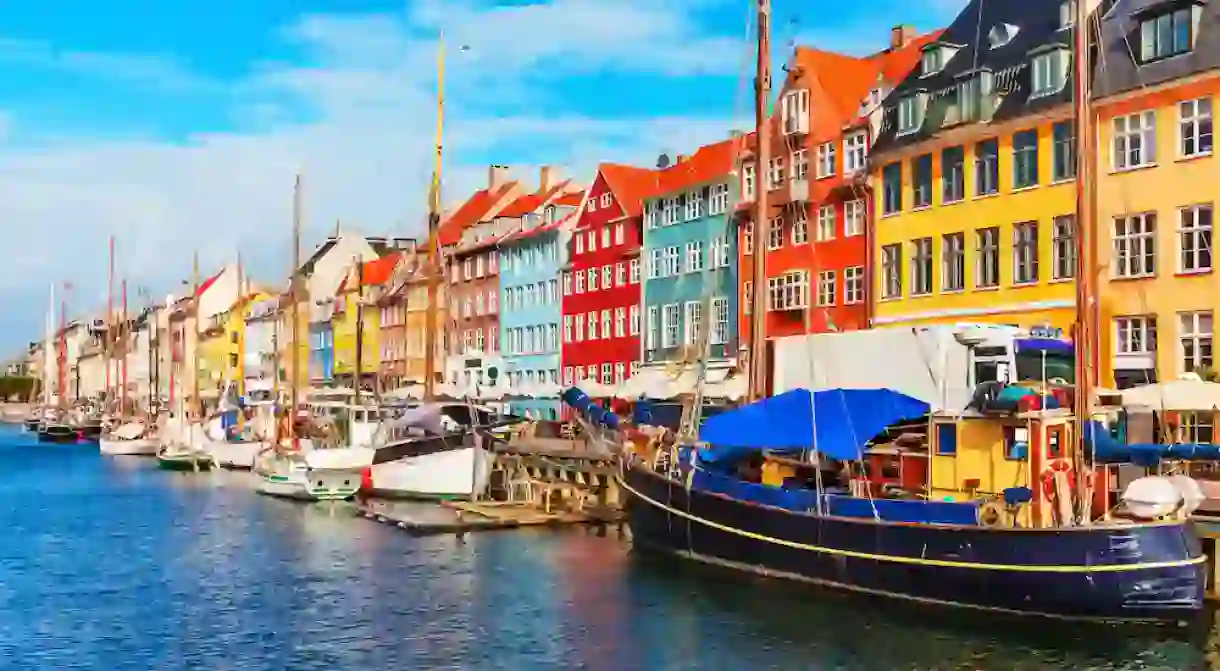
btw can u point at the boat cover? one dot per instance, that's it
(1107, 449)
(843, 421)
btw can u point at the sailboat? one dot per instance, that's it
(183, 431)
(794, 486)
(137, 437)
(54, 427)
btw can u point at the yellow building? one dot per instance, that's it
(357, 317)
(1157, 186)
(287, 343)
(973, 171)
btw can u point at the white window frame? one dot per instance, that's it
(853, 285)
(1135, 253)
(800, 227)
(670, 318)
(1195, 336)
(718, 202)
(825, 229)
(634, 317)
(720, 323)
(1134, 144)
(653, 335)
(826, 160)
(1195, 130)
(854, 218)
(692, 257)
(692, 318)
(800, 164)
(1195, 239)
(855, 152)
(828, 282)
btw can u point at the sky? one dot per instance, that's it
(179, 127)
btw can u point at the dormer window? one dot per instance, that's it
(1067, 14)
(1168, 34)
(1049, 71)
(970, 94)
(935, 56)
(1001, 34)
(910, 113)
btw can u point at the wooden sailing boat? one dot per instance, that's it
(54, 427)
(180, 451)
(1034, 550)
(133, 436)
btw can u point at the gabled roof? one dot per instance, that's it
(471, 212)
(530, 203)
(629, 184)
(375, 272)
(708, 163)
(207, 284)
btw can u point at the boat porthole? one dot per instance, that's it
(347, 483)
(319, 483)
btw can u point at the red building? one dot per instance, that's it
(602, 278)
(818, 197)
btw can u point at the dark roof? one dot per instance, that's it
(1037, 23)
(1120, 32)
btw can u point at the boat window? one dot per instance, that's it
(1016, 443)
(1057, 366)
(946, 439)
(1054, 442)
(985, 371)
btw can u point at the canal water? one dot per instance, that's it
(111, 564)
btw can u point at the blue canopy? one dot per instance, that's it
(843, 419)
(1110, 451)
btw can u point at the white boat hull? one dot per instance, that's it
(144, 447)
(450, 474)
(304, 477)
(235, 455)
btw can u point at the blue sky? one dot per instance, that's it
(178, 126)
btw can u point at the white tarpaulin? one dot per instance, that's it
(1186, 394)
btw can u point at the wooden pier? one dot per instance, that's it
(460, 517)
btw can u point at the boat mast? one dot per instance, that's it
(1083, 337)
(762, 92)
(109, 342)
(197, 403)
(359, 328)
(123, 350)
(295, 291)
(431, 327)
(62, 355)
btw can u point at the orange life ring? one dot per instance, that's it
(1048, 476)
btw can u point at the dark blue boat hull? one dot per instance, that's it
(1148, 572)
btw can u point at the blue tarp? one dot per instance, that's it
(1106, 449)
(843, 419)
(584, 405)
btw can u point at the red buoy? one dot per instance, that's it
(366, 479)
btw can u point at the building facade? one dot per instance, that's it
(322, 341)
(605, 246)
(1156, 177)
(260, 364)
(356, 323)
(530, 304)
(689, 247)
(817, 242)
(973, 170)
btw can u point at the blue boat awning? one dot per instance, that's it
(837, 422)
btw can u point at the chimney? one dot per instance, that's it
(682, 158)
(901, 35)
(546, 177)
(497, 176)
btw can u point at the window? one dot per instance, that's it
(652, 217)
(800, 226)
(580, 328)
(1049, 72)
(921, 266)
(795, 111)
(855, 152)
(932, 61)
(607, 329)
(891, 188)
(1067, 14)
(720, 321)
(651, 338)
(775, 175)
(693, 260)
(953, 262)
(691, 322)
(800, 164)
(891, 271)
(720, 253)
(580, 245)
(669, 211)
(747, 297)
(1167, 35)
(1135, 335)
(747, 181)
(620, 322)
(580, 281)
(827, 287)
(620, 274)
(953, 174)
(606, 372)
(718, 202)
(1025, 252)
(618, 233)
(1195, 127)
(853, 218)
(634, 268)
(1135, 245)
(986, 167)
(694, 205)
(1064, 149)
(655, 269)
(826, 159)
(775, 234)
(1135, 140)
(853, 285)
(607, 276)
(826, 223)
(921, 178)
(552, 340)
(605, 200)
(669, 325)
(1001, 34)
(620, 373)
(567, 284)
(1196, 340)
(971, 94)
(910, 114)
(592, 279)
(987, 271)
(671, 261)
(606, 235)
(1024, 159)
(747, 238)
(789, 291)
(591, 325)
(635, 320)
(1195, 239)
(567, 328)
(1063, 247)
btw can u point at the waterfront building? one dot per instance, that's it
(530, 307)
(1154, 92)
(818, 192)
(356, 322)
(689, 248)
(468, 238)
(603, 276)
(321, 341)
(973, 168)
(259, 365)
(404, 326)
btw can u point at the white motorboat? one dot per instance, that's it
(313, 473)
(132, 438)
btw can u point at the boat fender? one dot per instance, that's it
(992, 514)
(366, 479)
(1048, 476)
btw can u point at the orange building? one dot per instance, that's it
(817, 248)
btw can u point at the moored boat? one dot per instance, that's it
(132, 439)
(313, 474)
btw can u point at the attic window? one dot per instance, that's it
(1049, 71)
(1168, 34)
(933, 61)
(910, 113)
(1067, 14)
(1001, 34)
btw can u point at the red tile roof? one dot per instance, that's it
(629, 184)
(470, 213)
(573, 199)
(708, 163)
(377, 271)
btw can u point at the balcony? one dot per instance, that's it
(798, 190)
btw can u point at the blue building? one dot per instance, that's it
(531, 306)
(322, 344)
(690, 253)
